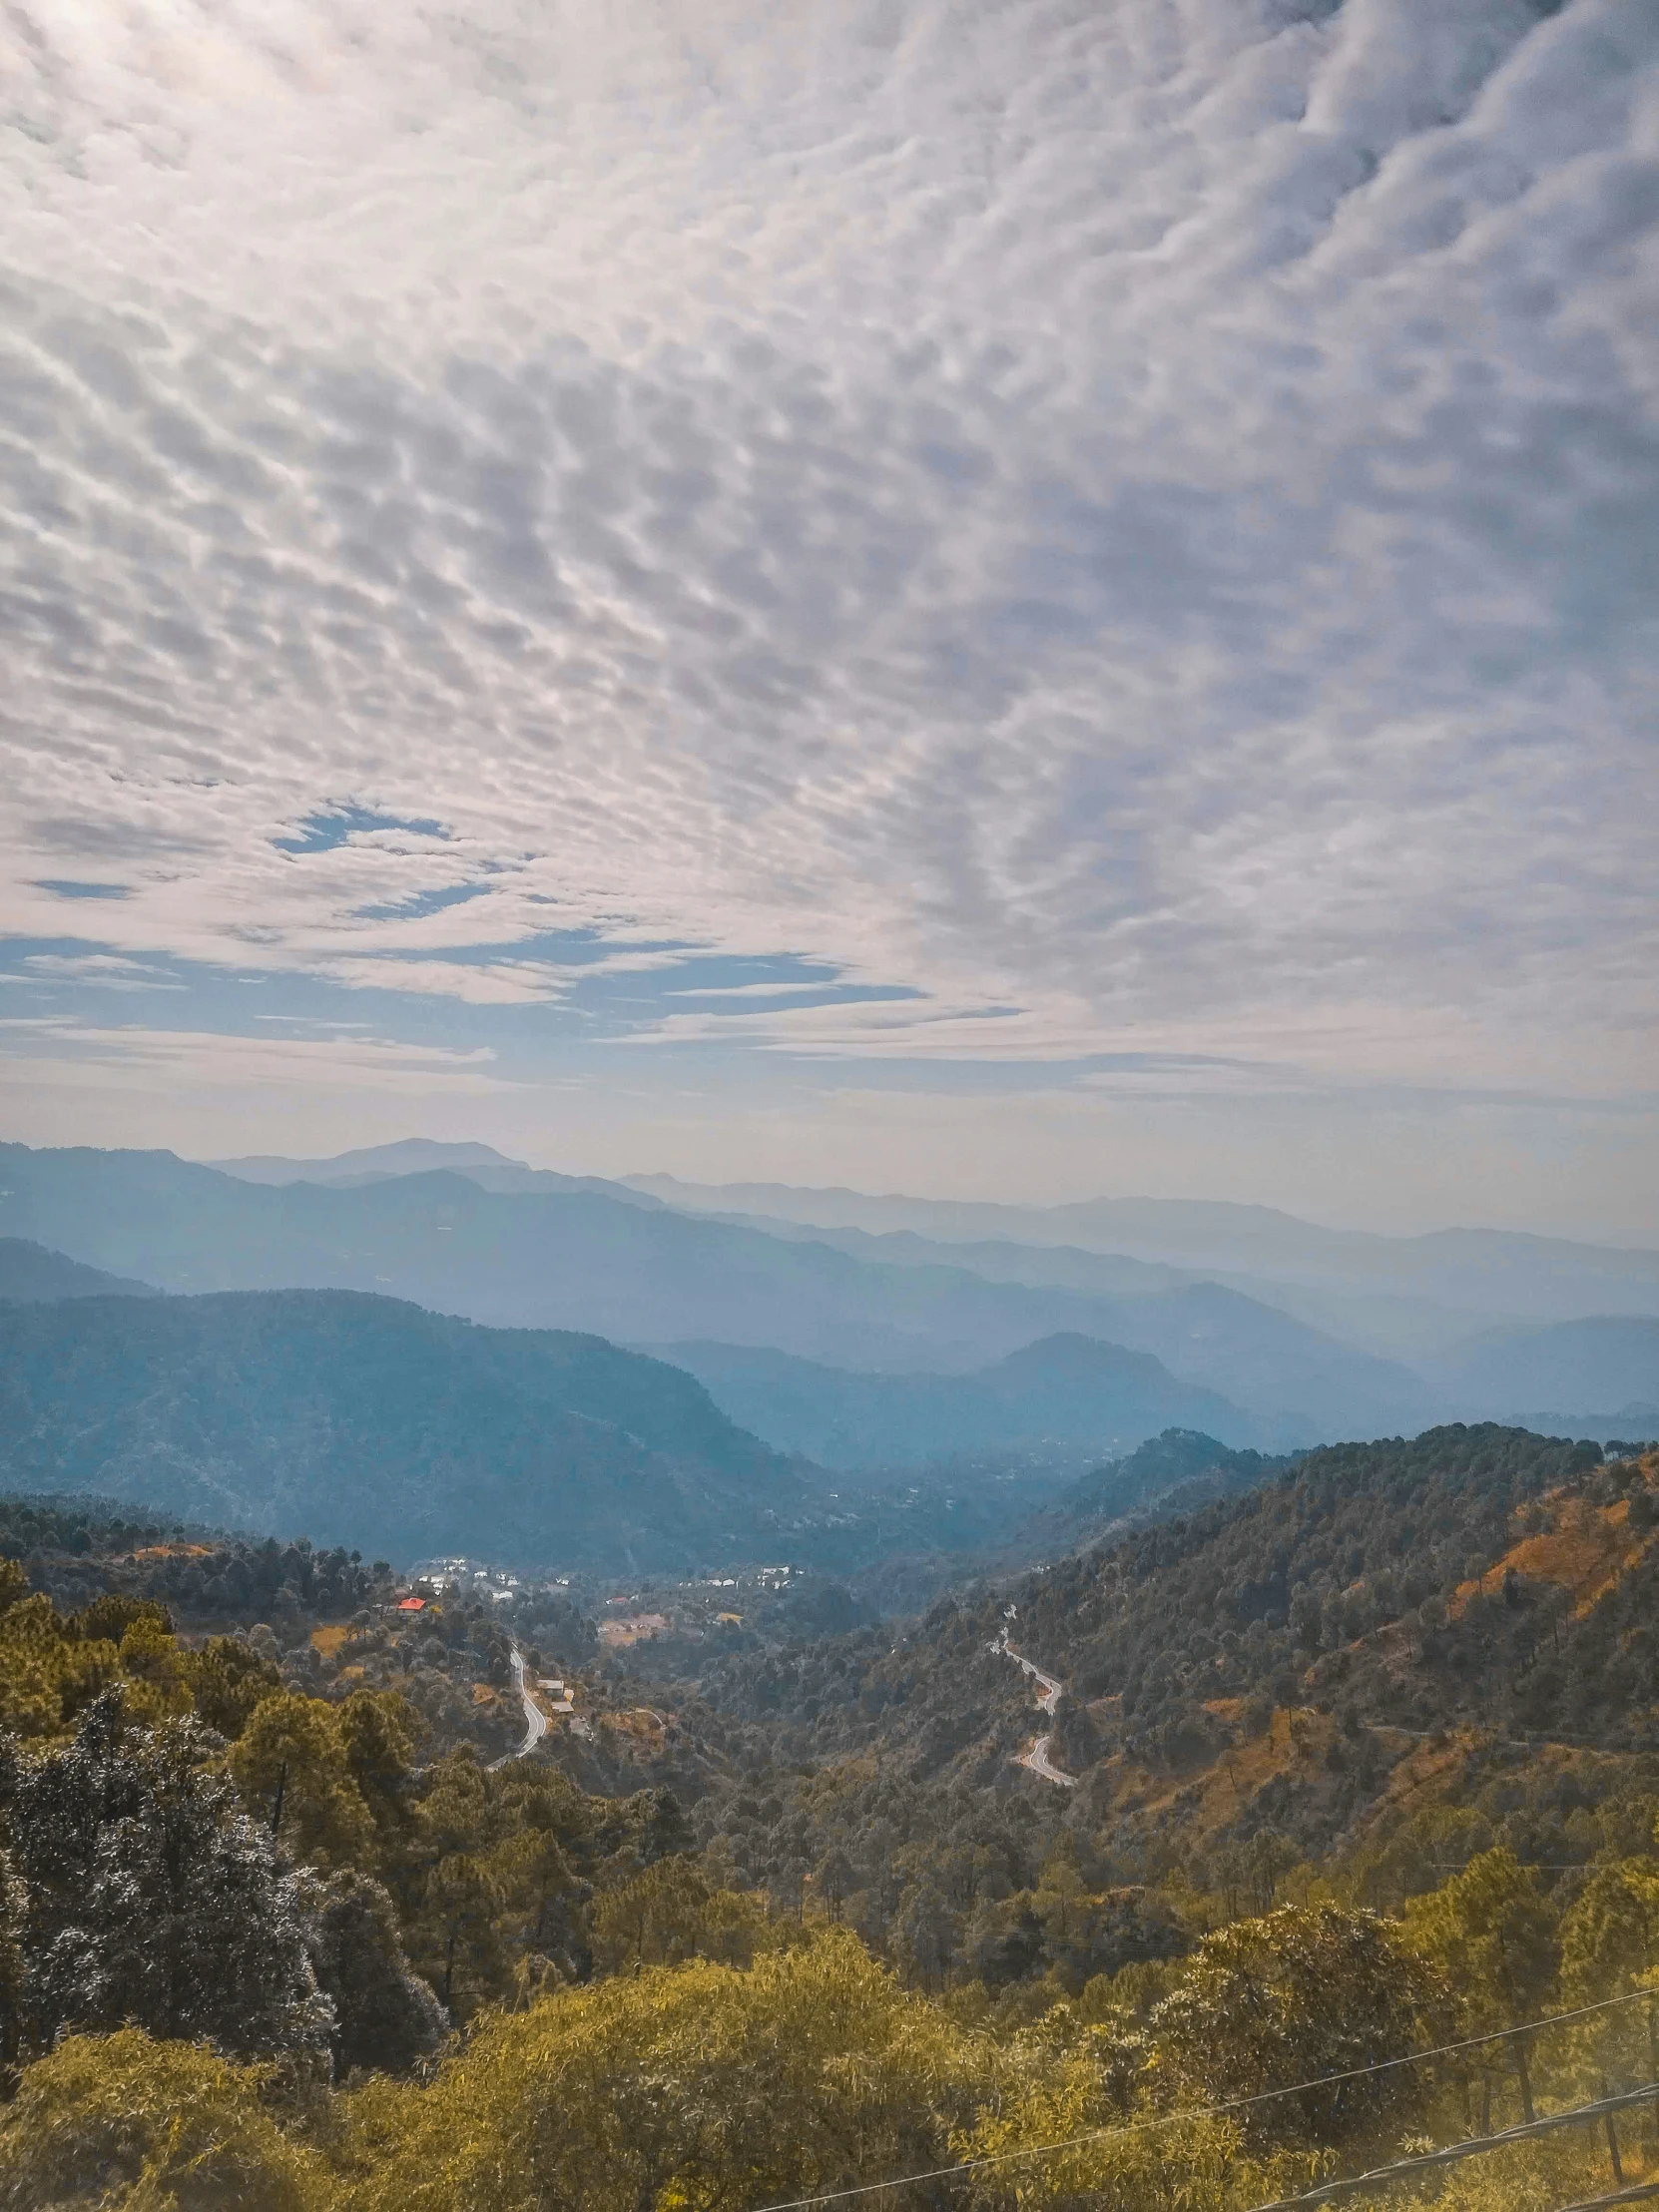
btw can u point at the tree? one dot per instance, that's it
(655, 1919)
(14, 1905)
(123, 2120)
(1302, 1993)
(836, 1880)
(1004, 1948)
(379, 1733)
(928, 1934)
(227, 1678)
(1494, 1937)
(692, 2085)
(1609, 1948)
(386, 2016)
(150, 1898)
(536, 1885)
(291, 1766)
(462, 1900)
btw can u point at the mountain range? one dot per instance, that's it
(544, 1254)
(369, 1422)
(849, 1343)
(1067, 1391)
(1483, 1272)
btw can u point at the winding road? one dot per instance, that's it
(535, 1720)
(1036, 1760)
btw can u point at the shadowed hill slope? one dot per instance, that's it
(364, 1420)
(30, 1274)
(1064, 1390)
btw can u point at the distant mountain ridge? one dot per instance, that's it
(384, 1162)
(369, 1422)
(1606, 1363)
(513, 1245)
(409, 1156)
(30, 1274)
(1065, 1390)
(637, 1272)
(1507, 1271)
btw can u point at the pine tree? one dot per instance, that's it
(150, 1898)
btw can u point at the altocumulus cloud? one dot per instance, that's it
(1125, 523)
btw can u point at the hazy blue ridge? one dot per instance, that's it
(1486, 1270)
(1599, 1365)
(1064, 1390)
(583, 1258)
(30, 1272)
(369, 1422)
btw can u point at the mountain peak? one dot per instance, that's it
(408, 1156)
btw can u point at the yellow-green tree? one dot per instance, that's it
(1492, 1937)
(227, 1678)
(1296, 1995)
(694, 2086)
(45, 1676)
(457, 1942)
(1610, 1949)
(291, 1766)
(124, 2124)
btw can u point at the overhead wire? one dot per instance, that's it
(1474, 2146)
(1124, 2129)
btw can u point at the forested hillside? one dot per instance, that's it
(1291, 1663)
(273, 1937)
(370, 1422)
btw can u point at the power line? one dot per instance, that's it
(1453, 2154)
(1216, 2111)
(1636, 2193)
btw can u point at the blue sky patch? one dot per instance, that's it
(420, 904)
(328, 828)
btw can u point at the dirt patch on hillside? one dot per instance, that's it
(1209, 1797)
(1585, 1551)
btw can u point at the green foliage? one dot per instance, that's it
(227, 1679)
(693, 2086)
(291, 1766)
(673, 1912)
(108, 1618)
(822, 1931)
(123, 2124)
(148, 1898)
(1290, 1998)
(1491, 1933)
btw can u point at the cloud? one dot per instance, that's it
(482, 984)
(1143, 521)
(133, 1061)
(112, 970)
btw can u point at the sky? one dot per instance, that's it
(1024, 597)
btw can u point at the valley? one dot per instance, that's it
(976, 1733)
